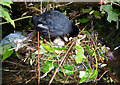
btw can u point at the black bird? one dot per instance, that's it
(57, 23)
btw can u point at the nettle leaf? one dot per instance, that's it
(68, 69)
(48, 48)
(83, 20)
(80, 54)
(7, 54)
(87, 75)
(6, 16)
(48, 66)
(6, 3)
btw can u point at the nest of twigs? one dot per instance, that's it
(82, 60)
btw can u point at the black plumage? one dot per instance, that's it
(57, 23)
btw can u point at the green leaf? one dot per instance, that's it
(47, 48)
(79, 48)
(94, 73)
(118, 1)
(84, 78)
(87, 32)
(7, 54)
(45, 68)
(6, 3)
(83, 20)
(86, 10)
(80, 55)
(112, 16)
(4, 48)
(101, 52)
(59, 48)
(65, 13)
(68, 69)
(48, 66)
(41, 50)
(90, 51)
(108, 8)
(6, 16)
(97, 14)
(91, 74)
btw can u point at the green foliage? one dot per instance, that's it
(4, 48)
(83, 20)
(48, 48)
(111, 14)
(5, 51)
(7, 54)
(48, 66)
(68, 69)
(4, 12)
(90, 51)
(86, 10)
(59, 48)
(41, 50)
(97, 14)
(101, 52)
(80, 54)
(89, 75)
(6, 3)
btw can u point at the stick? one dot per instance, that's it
(61, 62)
(38, 62)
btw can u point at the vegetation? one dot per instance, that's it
(83, 60)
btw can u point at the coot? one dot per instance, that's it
(56, 22)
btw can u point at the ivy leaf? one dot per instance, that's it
(107, 8)
(112, 16)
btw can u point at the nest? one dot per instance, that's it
(82, 60)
